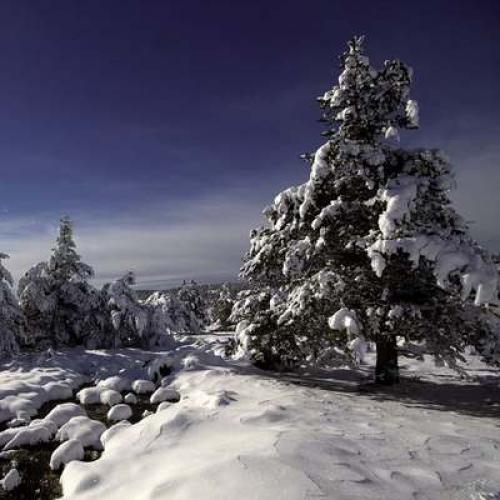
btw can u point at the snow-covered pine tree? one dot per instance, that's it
(169, 316)
(12, 322)
(370, 245)
(37, 302)
(128, 316)
(189, 294)
(61, 307)
(222, 305)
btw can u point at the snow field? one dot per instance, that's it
(240, 433)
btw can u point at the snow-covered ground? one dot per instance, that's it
(238, 432)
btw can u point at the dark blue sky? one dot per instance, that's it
(164, 127)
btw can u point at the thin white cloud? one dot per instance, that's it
(163, 243)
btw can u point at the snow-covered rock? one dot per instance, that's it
(64, 412)
(143, 386)
(65, 453)
(117, 383)
(130, 399)
(11, 480)
(89, 396)
(83, 429)
(110, 397)
(164, 394)
(119, 412)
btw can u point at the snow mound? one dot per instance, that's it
(47, 423)
(10, 406)
(83, 429)
(119, 412)
(164, 394)
(130, 399)
(63, 413)
(143, 386)
(89, 396)
(65, 453)
(26, 387)
(7, 435)
(58, 390)
(117, 383)
(110, 397)
(11, 480)
(113, 431)
(30, 435)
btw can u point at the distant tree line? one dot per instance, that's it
(57, 306)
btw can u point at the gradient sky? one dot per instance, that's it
(164, 127)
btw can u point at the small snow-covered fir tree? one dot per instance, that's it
(189, 294)
(171, 315)
(220, 310)
(65, 264)
(370, 245)
(12, 322)
(61, 307)
(128, 316)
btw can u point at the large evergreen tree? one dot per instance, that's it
(370, 245)
(12, 321)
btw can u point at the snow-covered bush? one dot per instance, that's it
(12, 321)
(128, 316)
(190, 296)
(372, 232)
(60, 306)
(168, 314)
(221, 307)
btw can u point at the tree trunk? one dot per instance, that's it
(387, 369)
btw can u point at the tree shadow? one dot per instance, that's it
(463, 397)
